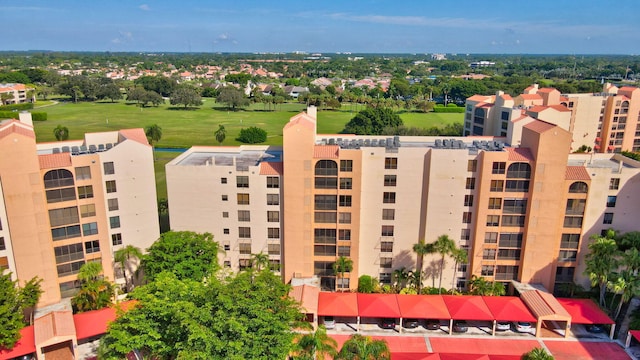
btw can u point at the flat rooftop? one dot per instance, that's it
(241, 159)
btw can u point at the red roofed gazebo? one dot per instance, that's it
(466, 308)
(508, 308)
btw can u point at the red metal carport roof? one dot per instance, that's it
(26, 345)
(415, 356)
(508, 308)
(423, 307)
(584, 311)
(378, 305)
(635, 334)
(338, 304)
(467, 307)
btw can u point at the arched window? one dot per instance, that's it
(519, 170)
(579, 187)
(58, 178)
(625, 104)
(326, 168)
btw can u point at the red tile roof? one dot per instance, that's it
(539, 108)
(51, 161)
(506, 97)
(520, 154)
(547, 90)
(307, 296)
(15, 126)
(539, 126)
(135, 135)
(326, 151)
(530, 96)
(301, 119)
(560, 107)
(482, 98)
(576, 173)
(271, 168)
(54, 325)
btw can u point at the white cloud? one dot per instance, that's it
(144, 7)
(223, 37)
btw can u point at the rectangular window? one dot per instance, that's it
(65, 216)
(244, 248)
(388, 214)
(244, 232)
(116, 239)
(390, 180)
(511, 240)
(114, 222)
(59, 195)
(489, 254)
(110, 186)
(225, 198)
(223, 180)
(490, 237)
(389, 197)
(325, 202)
(242, 181)
(386, 246)
(570, 241)
(67, 253)
(517, 186)
(345, 218)
(573, 221)
(323, 268)
(346, 165)
(608, 218)
(92, 246)
(87, 210)
(466, 217)
(244, 215)
(324, 250)
(273, 199)
(85, 192)
(513, 220)
(386, 262)
(575, 206)
(273, 233)
(344, 234)
(226, 264)
(506, 272)
(225, 231)
(614, 184)
(499, 167)
(70, 268)
(108, 168)
(326, 182)
(324, 236)
(243, 199)
(391, 163)
(346, 183)
(3, 246)
(471, 183)
(89, 229)
(273, 216)
(611, 201)
(225, 214)
(244, 264)
(387, 230)
(487, 270)
(495, 203)
(496, 185)
(273, 182)
(468, 200)
(385, 277)
(472, 165)
(493, 220)
(567, 255)
(325, 217)
(514, 206)
(65, 232)
(509, 254)
(113, 204)
(345, 200)
(344, 251)
(83, 173)
(465, 234)
(273, 249)
(504, 115)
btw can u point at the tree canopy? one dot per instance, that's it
(372, 121)
(252, 135)
(232, 97)
(14, 300)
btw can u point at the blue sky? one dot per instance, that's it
(401, 26)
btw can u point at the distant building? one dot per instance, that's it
(438, 57)
(16, 94)
(479, 64)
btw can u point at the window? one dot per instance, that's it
(59, 195)
(85, 192)
(490, 237)
(113, 204)
(69, 288)
(472, 165)
(326, 168)
(344, 234)
(496, 185)
(495, 203)
(389, 198)
(108, 168)
(225, 231)
(498, 167)
(387, 230)
(83, 173)
(243, 199)
(344, 217)
(89, 229)
(513, 220)
(573, 221)
(273, 249)
(611, 201)
(385, 277)
(388, 214)
(324, 236)
(323, 268)
(506, 272)
(325, 217)
(226, 264)
(67, 253)
(114, 222)
(575, 206)
(346, 183)
(244, 264)
(324, 250)
(4, 263)
(225, 198)
(517, 186)
(386, 246)
(578, 187)
(390, 180)
(567, 255)
(390, 163)
(65, 232)
(614, 184)
(244, 248)
(244, 232)
(471, 183)
(514, 206)
(386, 262)
(64, 216)
(465, 234)
(466, 217)
(116, 239)
(346, 165)
(519, 170)
(345, 200)
(273, 199)
(569, 241)
(70, 268)
(92, 246)
(111, 186)
(487, 270)
(273, 216)
(242, 181)
(468, 200)
(244, 215)
(58, 178)
(344, 251)
(493, 220)
(511, 240)
(223, 180)
(325, 202)
(326, 182)
(608, 218)
(489, 254)
(273, 182)
(509, 254)
(273, 233)
(3, 246)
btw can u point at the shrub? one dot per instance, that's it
(252, 135)
(39, 116)
(18, 107)
(448, 109)
(35, 116)
(367, 284)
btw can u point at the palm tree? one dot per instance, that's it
(316, 344)
(61, 133)
(123, 256)
(600, 263)
(260, 261)
(421, 249)
(220, 134)
(627, 285)
(360, 347)
(537, 354)
(90, 271)
(154, 133)
(6, 97)
(479, 286)
(443, 246)
(342, 265)
(95, 292)
(400, 277)
(460, 256)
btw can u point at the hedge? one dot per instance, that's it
(35, 116)
(448, 109)
(18, 107)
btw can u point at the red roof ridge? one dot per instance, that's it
(539, 126)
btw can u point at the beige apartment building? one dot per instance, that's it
(524, 213)
(607, 121)
(68, 203)
(16, 94)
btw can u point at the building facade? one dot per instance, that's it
(68, 203)
(16, 94)
(523, 213)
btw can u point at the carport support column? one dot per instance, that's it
(567, 329)
(628, 341)
(493, 331)
(401, 324)
(450, 326)
(613, 329)
(539, 328)
(358, 323)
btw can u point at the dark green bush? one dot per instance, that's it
(448, 109)
(39, 116)
(252, 135)
(18, 107)
(35, 116)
